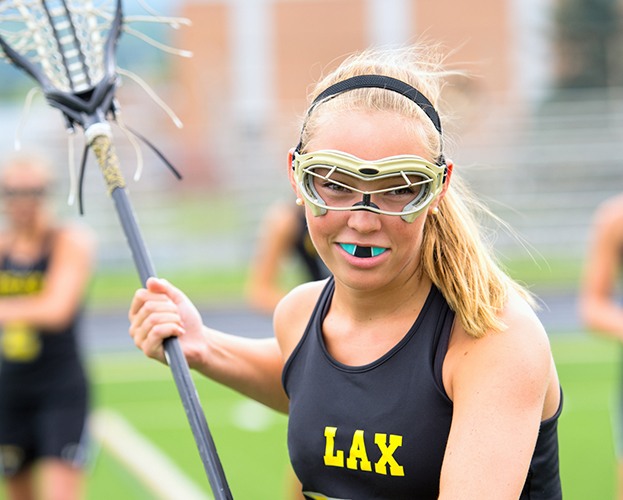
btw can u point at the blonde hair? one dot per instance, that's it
(454, 252)
(35, 165)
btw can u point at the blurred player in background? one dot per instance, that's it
(600, 310)
(45, 268)
(283, 236)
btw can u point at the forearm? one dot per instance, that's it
(250, 366)
(604, 318)
(36, 311)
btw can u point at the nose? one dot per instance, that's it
(364, 221)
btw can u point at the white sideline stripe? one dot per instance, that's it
(152, 467)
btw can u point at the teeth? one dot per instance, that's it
(362, 252)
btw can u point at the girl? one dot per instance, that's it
(419, 369)
(45, 268)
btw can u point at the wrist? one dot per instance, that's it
(197, 352)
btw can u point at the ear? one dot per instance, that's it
(446, 185)
(291, 170)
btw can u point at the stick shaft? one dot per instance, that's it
(109, 163)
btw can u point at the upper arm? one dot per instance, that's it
(499, 388)
(273, 248)
(274, 242)
(602, 266)
(71, 265)
(605, 250)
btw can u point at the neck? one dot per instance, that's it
(33, 230)
(29, 235)
(403, 296)
(362, 325)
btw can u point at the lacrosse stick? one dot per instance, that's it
(68, 47)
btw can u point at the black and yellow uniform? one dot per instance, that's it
(379, 431)
(43, 386)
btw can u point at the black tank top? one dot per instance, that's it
(36, 363)
(379, 431)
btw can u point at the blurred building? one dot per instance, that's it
(544, 163)
(540, 154)
(255, 61)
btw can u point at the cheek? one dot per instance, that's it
(408, 235)
(418, 233)
(323, 228)
(316, 226)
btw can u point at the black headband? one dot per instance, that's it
(381, 82)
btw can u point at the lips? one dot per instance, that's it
(362, 251)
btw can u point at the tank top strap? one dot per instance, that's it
(442, 338)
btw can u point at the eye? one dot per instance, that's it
(404, 191)
(330, 181)
(335, 187)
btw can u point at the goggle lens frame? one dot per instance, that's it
(309, 167)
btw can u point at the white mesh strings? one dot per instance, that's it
(66, 40)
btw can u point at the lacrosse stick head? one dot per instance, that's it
(68, 47)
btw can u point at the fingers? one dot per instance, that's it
(160, 290)
(142, 295)
(150, 335)
(153, 317)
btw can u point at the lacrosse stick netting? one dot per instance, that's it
(68, 47)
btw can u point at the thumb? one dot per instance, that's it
(160, 285)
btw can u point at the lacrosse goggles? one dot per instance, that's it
(401, 185)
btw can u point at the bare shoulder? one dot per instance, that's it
(519, 355)
(75, 237)
(292, 314)
(523, 325)
(524, 338)
(609, 215)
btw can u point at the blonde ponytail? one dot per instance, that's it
(458, 260)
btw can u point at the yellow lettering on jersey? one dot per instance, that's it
(358, 455)
(331, 458)
(387, 455)
(32, 283)
(15, 284)
(319, 496)
(19, 342)
(358, 452)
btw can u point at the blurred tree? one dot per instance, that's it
(589, 43)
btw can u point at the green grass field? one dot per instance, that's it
(251, 439)
(589, 373)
